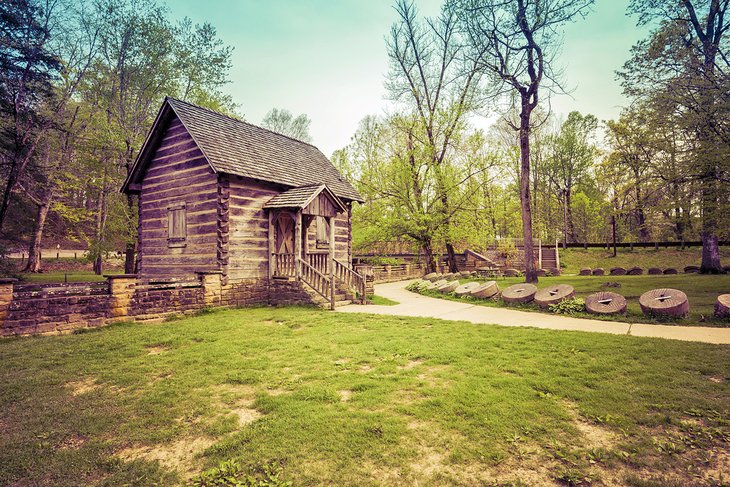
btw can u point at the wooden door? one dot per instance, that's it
(284, 234)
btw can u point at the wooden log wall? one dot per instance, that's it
(248, 238)
(178, 173)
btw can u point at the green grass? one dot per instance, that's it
(382, 301)
(576, 259)
(62, 276)
(355, 399)
(702, 292)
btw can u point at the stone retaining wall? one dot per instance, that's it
(56, 308)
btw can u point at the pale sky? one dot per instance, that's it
(327, 58)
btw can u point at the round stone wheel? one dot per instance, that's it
(448, 287)
(691, 269)
(449, 276)
(664, 302)
(598, 271)
(586, 271)
(464, 274)
(511, 273)
(542, 272)
(618, 271)
(654, 271)
(519, 293)
(670, 270)
(485, 291)
(605, 303)
(428, 277)
(465, 289)
(722, 306)
(553, 294)
(554, 271)
(440, 282)
(635, 271)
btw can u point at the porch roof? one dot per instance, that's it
(302, 196)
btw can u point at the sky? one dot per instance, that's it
(327, 58)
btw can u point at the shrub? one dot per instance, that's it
(568, 306)
(231, 474)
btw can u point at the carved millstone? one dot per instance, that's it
(722, 306)
(486, 290)
(553, 294)
(605, 303)
(519, 293)
(664, 302)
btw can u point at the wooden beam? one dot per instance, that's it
(272, 245)
(331, 221)
(298, 243)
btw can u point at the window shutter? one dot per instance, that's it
(176, 225)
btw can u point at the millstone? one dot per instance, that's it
(542, 272)
(691, 269)
(448, 287)
(511, 273)
(429, 276)
(464, 274)
(635, 271)
(485, 291)
(618, 271)
(664, 302)
(670, 270)
(424, 285)
(654, 271)
(428, 287)
(605, 303)
(598, 271)
(438, 283)
(554, 271)
(448, 276)
(722, 306)
(519, 293)
(465, 289)
(553, 294)
(586, 271)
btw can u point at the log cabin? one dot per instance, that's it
(268, 214)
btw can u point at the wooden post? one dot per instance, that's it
(539, 253)
(298, 244)
(557, 255)
(332, 261)
(272, 245)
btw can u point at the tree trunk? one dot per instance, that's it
(710, 248)
(34, 249)
(428, 253)
(569, 216)
(530, 271)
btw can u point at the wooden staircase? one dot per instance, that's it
(342, 287)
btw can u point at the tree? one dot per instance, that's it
(684, 65)
(572, 155)
(438, 85)
(27, 70)
(284, 122)
(516, 43)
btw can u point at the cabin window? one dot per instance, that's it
(176, 227)
(323, 233)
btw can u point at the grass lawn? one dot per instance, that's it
(62, 276)
(702, 292)
(382, 301)
(576, 259)
(348, 399)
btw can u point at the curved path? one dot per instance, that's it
(412, 304)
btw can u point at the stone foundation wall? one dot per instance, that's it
(56, 308)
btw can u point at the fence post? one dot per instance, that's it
(121, 289)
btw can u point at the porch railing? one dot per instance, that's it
(284, 265)
(319, 261)
(316, 280)
(350, 278)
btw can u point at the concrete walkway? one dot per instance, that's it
(412, 304)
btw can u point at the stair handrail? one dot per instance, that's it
(315, 279)
(351, 278)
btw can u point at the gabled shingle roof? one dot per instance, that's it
(301, 197)
(235, 147)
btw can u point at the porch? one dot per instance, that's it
(302, 242)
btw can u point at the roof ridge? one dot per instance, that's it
(241, 121)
